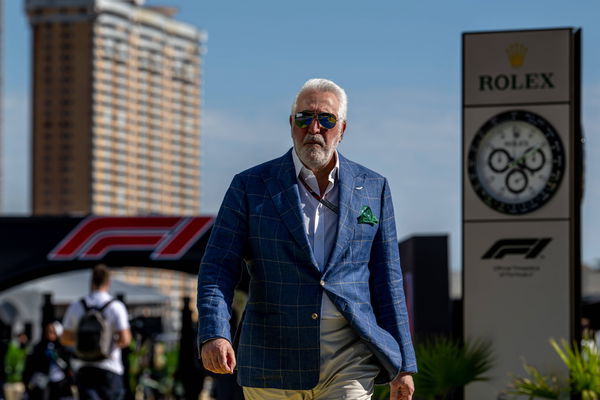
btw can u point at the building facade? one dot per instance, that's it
(116, 109)
(116, 116)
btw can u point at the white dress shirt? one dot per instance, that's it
(320, 223)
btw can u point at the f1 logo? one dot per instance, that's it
(531, 248)
(167, 237)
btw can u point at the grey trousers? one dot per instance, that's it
(347, 371)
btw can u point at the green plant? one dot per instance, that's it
(536, 387)
(152, 366)
(14, 362)
(584, 375)
(446, 365)
(584, 368)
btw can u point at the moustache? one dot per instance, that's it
(314, 139)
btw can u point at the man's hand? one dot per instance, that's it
(402, 387)
(218, 356)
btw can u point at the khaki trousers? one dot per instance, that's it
(347, 370)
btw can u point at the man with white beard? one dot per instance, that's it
(326, 316)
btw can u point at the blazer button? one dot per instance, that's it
(314, 315)
(322, 283)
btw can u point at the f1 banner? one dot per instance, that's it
(167, 237)
(33, 247)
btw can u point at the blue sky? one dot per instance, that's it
(399, 62)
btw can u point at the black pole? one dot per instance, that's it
(188, 371)
(48, 313)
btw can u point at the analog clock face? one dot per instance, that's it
(516, 162)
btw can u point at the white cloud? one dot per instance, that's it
(413, 138)
(232, 142)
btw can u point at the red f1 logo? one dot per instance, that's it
(168, 237)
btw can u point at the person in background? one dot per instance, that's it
(102, 379)
(47, 374)
(14, 365)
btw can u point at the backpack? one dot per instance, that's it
(94, 336)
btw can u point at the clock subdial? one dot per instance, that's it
(499, 160)
(534, 160)
(516, 181)
(516, 162)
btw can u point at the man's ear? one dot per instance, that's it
(343, 130)
(290, 119)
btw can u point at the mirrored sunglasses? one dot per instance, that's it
(304, 119)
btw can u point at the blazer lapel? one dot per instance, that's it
(282, 185)
(350, 197)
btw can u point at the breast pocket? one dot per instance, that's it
(364, 232)
(366, 222)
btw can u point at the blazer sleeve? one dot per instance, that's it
(221, 266)
(389, 303)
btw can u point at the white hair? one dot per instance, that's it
(324, 85)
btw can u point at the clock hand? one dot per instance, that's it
(516, 162)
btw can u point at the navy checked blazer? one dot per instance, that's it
(260, 223)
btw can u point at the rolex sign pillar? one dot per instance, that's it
(521, 185)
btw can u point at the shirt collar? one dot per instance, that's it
(100, 295)
(307, 173)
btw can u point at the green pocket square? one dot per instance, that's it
(366, 216)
